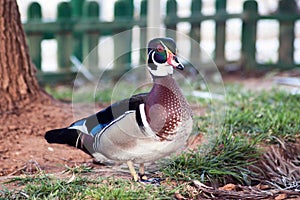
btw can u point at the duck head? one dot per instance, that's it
(162, 57)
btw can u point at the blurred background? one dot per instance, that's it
(235, 34)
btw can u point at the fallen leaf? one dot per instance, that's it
(262, 187)
(281, 196)
(179, 196)
(228, 187)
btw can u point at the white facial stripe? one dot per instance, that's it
(156, 63)
(150, 53)
(166, 48)
(163, 69)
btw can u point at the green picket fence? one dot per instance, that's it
(78, 28)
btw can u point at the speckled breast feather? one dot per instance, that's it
(166, 107)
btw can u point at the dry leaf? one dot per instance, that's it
(179, 196)
(281, 196)
(262, 187)
(228, 187)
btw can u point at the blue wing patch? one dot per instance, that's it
(98, 122)
(78, 123)
(91, 130)
(97, 129)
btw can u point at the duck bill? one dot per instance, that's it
(174, 62)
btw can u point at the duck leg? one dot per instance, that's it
(143, 177)
(132, 171)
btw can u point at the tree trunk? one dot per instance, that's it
(26, 111)
(18, 83)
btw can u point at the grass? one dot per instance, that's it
(80, 169)
(44, 186)
(253, 119)
(271, 114)
(228, 159)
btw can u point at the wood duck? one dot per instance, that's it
(143, 128)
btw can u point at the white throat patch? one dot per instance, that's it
(161, 70)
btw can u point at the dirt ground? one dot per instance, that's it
(23, 147)
(22, 140)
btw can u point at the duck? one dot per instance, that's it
(143, 128)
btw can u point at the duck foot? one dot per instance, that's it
(144, 179)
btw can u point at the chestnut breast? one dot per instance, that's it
(166, 107)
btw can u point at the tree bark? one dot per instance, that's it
(26, 111)
(18, 83)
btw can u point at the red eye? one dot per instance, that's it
(160, 48)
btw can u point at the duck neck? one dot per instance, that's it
(164, 86)
(162, 80)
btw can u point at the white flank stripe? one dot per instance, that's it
(143, 115)
(148, 129)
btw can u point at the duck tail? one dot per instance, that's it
(71, 137)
